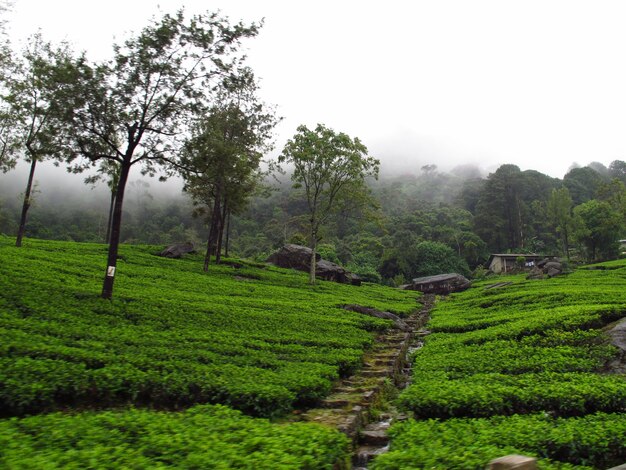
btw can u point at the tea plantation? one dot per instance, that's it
(199, 370)
(520, 369)
(181, 368)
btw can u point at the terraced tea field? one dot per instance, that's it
(186, 369)
(126, 382)
(520, 369)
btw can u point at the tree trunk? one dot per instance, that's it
(207, 255)
(227, 244)
(521, 224)
(566, 241)
(212, 234)
(220, 237)
(116, 224)
(26, 205)
(107, 239)
(313, 253)
(593, 250)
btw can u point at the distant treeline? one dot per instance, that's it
(415, 225)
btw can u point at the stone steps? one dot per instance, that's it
(349, 406)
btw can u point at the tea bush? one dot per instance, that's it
(497, 353)
(529, 346)
(254, 337)
(592, 441)
(205, 436)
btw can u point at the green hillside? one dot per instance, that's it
(189, 369)
(520, 369)
(255, 338)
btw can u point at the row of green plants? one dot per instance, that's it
(518, 369)
(259, 339)
(204, 436)
(588, 442)
(569, 394)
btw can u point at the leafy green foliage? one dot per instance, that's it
(593, 441)
(509, 210)
(438, 396)
(559, 210)
(436, 258)
(220, 162)
(259, 340)
(526, 347)
(201, 437)
(131, 111)
(331, 169)
(532, 346)
(582, 183)
(599, 229)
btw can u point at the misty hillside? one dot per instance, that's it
(470, 214)
(479, 308)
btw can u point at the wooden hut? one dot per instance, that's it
(507, 262)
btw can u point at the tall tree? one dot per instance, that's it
(326, 165)
(133, 110)
(510, 207)
(220, 162)
(499, 212)
(582, 183)
(617, 169)
(615, 194)
(598, 230)
(560, 213)
(8, 157)
(36, 90)
(8, 142)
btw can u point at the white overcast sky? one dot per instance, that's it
(540, 84)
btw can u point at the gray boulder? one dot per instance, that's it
(549, 267)
(441, 284)
(299, 257)
(177, 250)
(372, 312)
(293, 256)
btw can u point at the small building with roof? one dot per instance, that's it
(501, 263)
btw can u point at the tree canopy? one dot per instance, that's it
(326, 166)
(136, 109)
(220, 162)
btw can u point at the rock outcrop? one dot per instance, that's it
(293, 256)
(372, 312)
(299, 257)
(177, 250)
(547, 267)
(440, 284)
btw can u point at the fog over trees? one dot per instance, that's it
(506, 211)
(178, 101)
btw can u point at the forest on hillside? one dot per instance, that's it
(412, 225)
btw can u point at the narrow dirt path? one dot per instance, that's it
(358, 405)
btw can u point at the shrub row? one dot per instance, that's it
(435, 395)
(503, 351)
(260, 340)
(533, 346)
(201, 437)
(593, 441)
